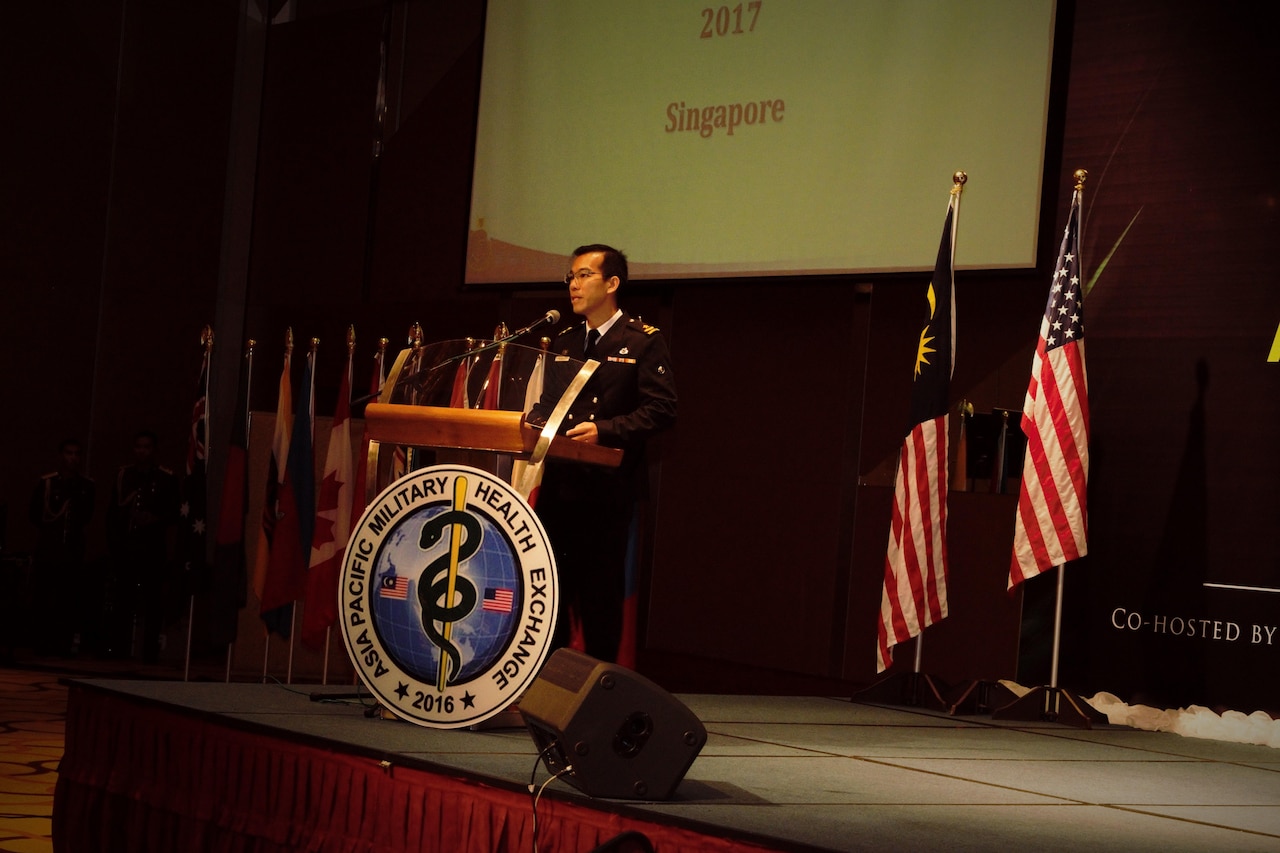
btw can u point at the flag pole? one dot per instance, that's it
(248, 431)
(351, 351)
(206, 341)
(266, 646)
(295, 624)
(1052, 703)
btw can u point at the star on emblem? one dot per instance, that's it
(402, 689)
(468, 701)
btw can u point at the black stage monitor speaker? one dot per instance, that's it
(615, 732)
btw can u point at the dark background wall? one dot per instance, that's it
(170, 165)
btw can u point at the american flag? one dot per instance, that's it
(498, 600)
(915, 565)
(1052, 523)
(394, 586)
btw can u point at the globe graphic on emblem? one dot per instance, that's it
(480, 636)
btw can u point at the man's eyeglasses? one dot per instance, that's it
(580, 275)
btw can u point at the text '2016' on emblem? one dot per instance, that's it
(449, 596)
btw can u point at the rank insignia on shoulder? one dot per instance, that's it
(565, 331)
(649, 330)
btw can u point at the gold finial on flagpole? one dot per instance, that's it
(415, 335)
(382, 345)
(1080, 175)
(958, 180)
(206, 337)
(248, 347)
(288, 341)
(315, 344)
(351, 339)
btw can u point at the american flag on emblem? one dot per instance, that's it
(1052, 523)
(394, 586)
(498, 600)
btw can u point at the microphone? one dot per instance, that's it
(548, 319)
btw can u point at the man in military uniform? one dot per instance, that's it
(60, 508)
(140, 517)
(587, 509)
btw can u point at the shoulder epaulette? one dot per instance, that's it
(565, 331)
(642, 325)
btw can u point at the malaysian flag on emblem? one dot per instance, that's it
(394, 586)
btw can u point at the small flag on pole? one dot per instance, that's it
(376, 381)
(271, 511)
(286, 578)
(915, 565)
(1052, 523)
(228, 593)
(333, 517)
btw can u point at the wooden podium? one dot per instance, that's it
(441, 427)
(418, 409)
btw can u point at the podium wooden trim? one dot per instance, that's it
(475, 429)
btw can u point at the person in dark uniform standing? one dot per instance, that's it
(142, 512)
(631, 397)
(61, 507)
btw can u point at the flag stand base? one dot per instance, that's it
(914, 689)
(1053, 705)
(978, 697)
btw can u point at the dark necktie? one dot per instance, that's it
(592, 336)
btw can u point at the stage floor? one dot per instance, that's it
(814, 773)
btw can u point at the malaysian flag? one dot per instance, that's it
(1052, 523)
(394, 586)
(915, 565)
(498, 600)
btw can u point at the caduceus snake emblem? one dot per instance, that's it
(447, 597)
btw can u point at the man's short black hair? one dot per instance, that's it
(615, 262)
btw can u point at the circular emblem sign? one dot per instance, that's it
(449, 596)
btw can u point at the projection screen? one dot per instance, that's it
(763, 138)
